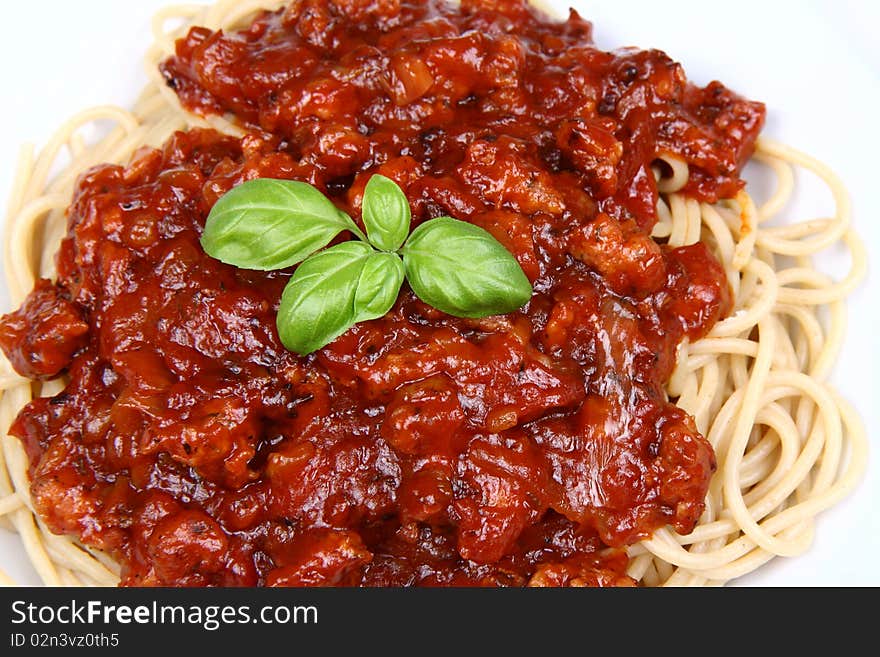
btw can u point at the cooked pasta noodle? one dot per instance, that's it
(788, 447)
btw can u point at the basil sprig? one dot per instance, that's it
(452, 265)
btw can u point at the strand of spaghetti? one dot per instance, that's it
(7, 486)
(694, 222)
(677, 207)
(34, 546)
(724, 243)
(796, 233)
(772, 492)
(69, 579)
(64, 551)
(812, 334)
(788, 240)
(12, 450)
(776, 418)
(9, 379)
(716, 346)
(56, 143)
(747, 317)
(822, 292)
(702, 409)
(780, 151)
(76, 145)
(23, 278)
(680, 174)
(24, 165)
(663, 227)
(784, 174)
(748, 224)
(638, 565)
(12, 502)
(822, 365)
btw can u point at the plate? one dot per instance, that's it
(813, 63)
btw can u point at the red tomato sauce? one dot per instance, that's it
(416, 449)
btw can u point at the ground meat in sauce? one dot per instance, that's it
(416, 449)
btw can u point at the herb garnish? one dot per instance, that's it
(452, 265)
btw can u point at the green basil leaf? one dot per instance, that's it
(333, 290)
(379, 286)
(270, 224)
(462, 270)
(386, 213)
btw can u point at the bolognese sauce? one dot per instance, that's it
(418, 448)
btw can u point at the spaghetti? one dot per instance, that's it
(788, 447)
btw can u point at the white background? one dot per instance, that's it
(816, 64)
